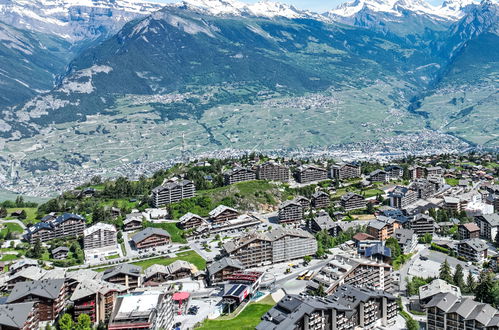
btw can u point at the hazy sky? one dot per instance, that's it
(315, 5)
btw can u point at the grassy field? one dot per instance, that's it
(12, 227)
(114, 256)
(247, 319)
(172, 229)
(30, 214)
(189, 256)
(452, 182)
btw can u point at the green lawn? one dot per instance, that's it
(249, 318)
(189, 256)
(172, 229)
(122, 203)
(12, 227)
(452, 182)
(8, 257)
(114, 256)
(30, 214)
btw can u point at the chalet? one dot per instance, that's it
(124, 274)
(23, 316)
(223, 213)
(151, 237)
(133, 222)
(60, 253)
(395, 172)
(323, 222)
(473, 249)
(191, 220)
(220, 270)
(50, 296)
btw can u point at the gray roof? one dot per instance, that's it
(149, 231)
(218, 265)
(349, 195)
(403, 235)
(476, 244)
(492, 219)
(122, 269)
(15, 315)
(90, 287)
(443, 301)
(23, 263)
(437, 286)
(290, 203)
(49, 289)
(376, 224)
(324, 221)
(171, 185)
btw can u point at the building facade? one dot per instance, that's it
(173, 192)
(100, 235)
(311, 173)
(239, 174)
(272, 171)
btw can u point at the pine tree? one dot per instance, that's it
(483, 291)
(66, 322)
(470, 283)
(459, 277)
(445, 272)
(84, 322)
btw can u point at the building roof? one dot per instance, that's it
(31, 273)
(219, 210)
(49, 289)
(148, 232)
(378, 225)
(171, 185)
(273, 235)
(349, 195)
(133, 217)
(289, 203)
(188, 216)
(237, 169)
(437, 286)
(376, 172)
(362, 237)
(68, 216)
(324, 221)
(471, 227)
(403, 235)
(60, 249)
(23, 263)
(491, 219)
(476, 244)
(137, 306)
(98, 226)
(122, 269)
(378, 250)
(311, 167)
(218, 265)
(89, 287)
(15, 315)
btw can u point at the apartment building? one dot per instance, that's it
(424, 188)
(379, 176)
(191, 221)
(351, 201)
(320, 200)
(238, 174)
(473, 249)
(452, 203)
(348, 308)
(401, 197)
(395, 172)
(22, 316)
(406, 238)
(344, 171)
(469, 230)
(417, 172)
(124, 274)
(352, 270)
(172, 192)
(446, 311)
(49, 294)
(66, 225)
(311, 173)
(96, 298)
(382, 228)
(434, 171)
(272, 171)
(278, 245)
(222, 214)
(152, 309)
(99, 235)
(220, 270)
(488, 224)
(290, 212)
(322, 221)
(422, 224)
(151, 237)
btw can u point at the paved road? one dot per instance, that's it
(23, 226)
(404, 270)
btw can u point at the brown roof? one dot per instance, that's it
(471, 227)
(362, 237)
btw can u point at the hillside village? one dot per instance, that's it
(261, 242)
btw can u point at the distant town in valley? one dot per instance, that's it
(256, 241)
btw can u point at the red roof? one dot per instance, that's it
(179, 296)
(362, 237)
(471, 226)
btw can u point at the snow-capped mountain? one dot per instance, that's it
(263, 8)
(449, 10)
(73, 20)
